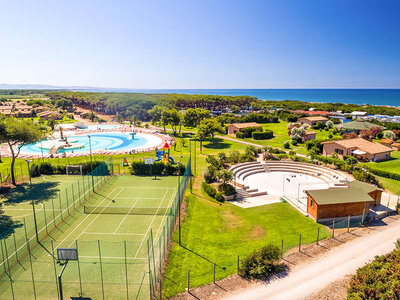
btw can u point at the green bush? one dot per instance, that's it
(158, 168)
(286, 145)
(210, 174)
(386, 174)
(219, 197)
(226, 189)
(295, 142)
(47, 168)
(240, 135)
(209, 189)
(248, 131)
(268, 134)
(378, 280)
(261, 263)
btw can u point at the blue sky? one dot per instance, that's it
(201, 44)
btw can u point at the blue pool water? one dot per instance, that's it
(102, 126)
(100, 141)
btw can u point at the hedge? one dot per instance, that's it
(386, 174)
(46, 168)
(267, 134)
(240, 135)
(158, 168)
(248, 131)
(209, 189)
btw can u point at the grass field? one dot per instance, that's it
(112, 247)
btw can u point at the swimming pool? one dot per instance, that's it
(113, 141)
(101, 126)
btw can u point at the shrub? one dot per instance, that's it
(351, 160)
(286, 145)
(219, 197)
(377, 280)
(209, 174)
(227, 189)
(386, 174)
(158, 168)
(248, 131)
(208, 189)
(267, 134)
(261, 263)
(240, 135)
(295, 142)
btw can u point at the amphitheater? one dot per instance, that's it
(259, 183)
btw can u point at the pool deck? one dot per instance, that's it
(121, 128)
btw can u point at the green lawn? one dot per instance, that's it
(392, 165)
(214, 232)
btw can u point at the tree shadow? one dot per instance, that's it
(38, 193)
(218, 144)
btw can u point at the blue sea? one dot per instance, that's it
(389, 97)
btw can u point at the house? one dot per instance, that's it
(391, 144)
(359, 148)
(312, 120)
(328, 204)
(357, 114)
(357, 126)
(313, 112)
(233, 128)
(50, 115)
(310, 135)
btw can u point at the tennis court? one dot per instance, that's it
(110, 229)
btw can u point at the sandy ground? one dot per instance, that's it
(317, 272)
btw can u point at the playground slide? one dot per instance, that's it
(171, 160)
(159, 155)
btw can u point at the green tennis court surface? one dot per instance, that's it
(110, 228)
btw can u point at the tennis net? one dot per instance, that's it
(114, 210)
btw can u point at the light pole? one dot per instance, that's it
(33, 202)
(91, 160)
(41, 149)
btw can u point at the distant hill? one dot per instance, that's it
(43, 87)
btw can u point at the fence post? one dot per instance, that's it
(238, 263)
(101, 269)
(348, 223)
(214, 274)
(333, 229)
(55, 269)
(79, 269)
(300, 242)
(318, 236)
(188, 286)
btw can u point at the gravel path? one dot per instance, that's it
(344, 260)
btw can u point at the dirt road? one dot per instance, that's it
(335, 264)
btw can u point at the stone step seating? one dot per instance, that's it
(328, 175)
(241, 171)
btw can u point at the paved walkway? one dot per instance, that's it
(334, 265)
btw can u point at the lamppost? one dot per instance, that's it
(33, 202)
(91, 160)
(41, 149)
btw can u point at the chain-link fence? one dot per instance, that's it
(46, 220)
(158, 245)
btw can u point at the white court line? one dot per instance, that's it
(133, 205)
(152, 220)
(133, 198)
(165, 215)
(44, 227)
(84, 219)
(94, 217)
(112, 233)
(113, 257)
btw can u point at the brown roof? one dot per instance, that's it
(386, 141)
(244, 125)
(362, 144)
(314, 119)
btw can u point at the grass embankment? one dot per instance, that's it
(392, 165)
(214, 232)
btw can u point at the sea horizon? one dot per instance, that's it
(384, 97)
